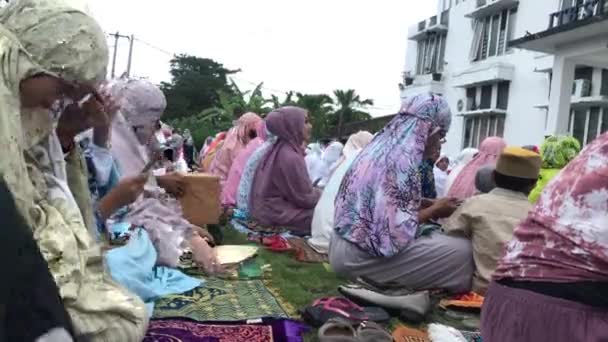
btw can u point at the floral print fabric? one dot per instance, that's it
(379, 198)
(565, 236)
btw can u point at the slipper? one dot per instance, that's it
(337, 330)
(372, 332)
(412, 307)
(327, 308)
(276, 243)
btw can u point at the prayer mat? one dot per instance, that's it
(405, 334)
(305, 253)
(184, 330)
(221, 300)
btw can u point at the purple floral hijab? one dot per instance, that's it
(379, 198)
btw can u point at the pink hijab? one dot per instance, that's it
(231, 186)
(464, 185)
(236, 140)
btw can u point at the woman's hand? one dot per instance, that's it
(125, 193)
(101, 113)
(173, 183)
(204, 233)
(204, 256)
(444, 207)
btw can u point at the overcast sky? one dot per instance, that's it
(312, 46)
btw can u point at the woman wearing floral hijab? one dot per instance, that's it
(557, 152)
(53, 53)
(236, 140)
(552, 282)
(379, 214)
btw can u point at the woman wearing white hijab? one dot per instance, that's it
(330, 157)
(313, 160)
(323, 219)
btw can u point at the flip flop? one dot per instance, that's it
(372, 332)
(325, 309)
(276, 243)
(337, 330)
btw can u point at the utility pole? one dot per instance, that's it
(117, 36)
(131, 40)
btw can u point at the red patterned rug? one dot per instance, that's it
(183, 330)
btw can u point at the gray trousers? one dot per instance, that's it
(432, 262)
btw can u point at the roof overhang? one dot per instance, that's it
(555, 39)
(491, 7)
(483, 74)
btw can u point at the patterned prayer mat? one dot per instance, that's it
(406, 334)
(182, 330)
(221, 300)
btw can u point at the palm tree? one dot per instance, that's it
(350, 107)
(319, 108)
(288, 101)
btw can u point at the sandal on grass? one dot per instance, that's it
(325, 309)
(372, 332)
(412, 307)
(337, 330)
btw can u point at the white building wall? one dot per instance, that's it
(524, 122)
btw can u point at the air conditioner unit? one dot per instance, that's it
(582, 88)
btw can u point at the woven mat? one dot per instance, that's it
(221, 300)
(405, 334)
(184, 330)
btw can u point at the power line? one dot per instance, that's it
(271, 90)
(155, 47)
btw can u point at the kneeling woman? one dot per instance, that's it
(282, 193)
(379, 217)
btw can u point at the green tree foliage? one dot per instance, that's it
(195, 85)
(349, 108)
(202, 98)
(320, 109)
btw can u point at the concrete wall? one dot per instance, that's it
(524, 124)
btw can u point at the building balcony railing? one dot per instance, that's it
(579, 12)
(417, 84)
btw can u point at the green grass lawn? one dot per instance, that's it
(298, 283)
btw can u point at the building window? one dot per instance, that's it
(479, 127)
(587, 124)
(488, 96)
(502, 100)
(492, 34)
(485, 102)
(431, 53)
(493, 99)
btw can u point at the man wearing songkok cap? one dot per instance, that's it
(489, 219)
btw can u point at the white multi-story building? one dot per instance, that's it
(496, 61)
